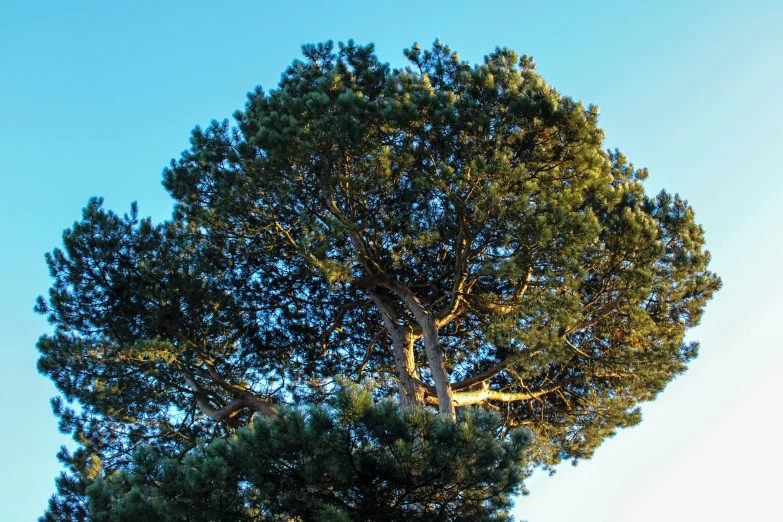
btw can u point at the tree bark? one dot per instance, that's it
(411, 389)
(242, 399)
(431, 346)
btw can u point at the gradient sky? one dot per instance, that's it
(96, 97)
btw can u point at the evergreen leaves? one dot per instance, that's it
(349, 460)
(456, 233)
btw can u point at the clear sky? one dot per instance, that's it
(96, 97)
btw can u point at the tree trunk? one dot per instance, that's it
(432, 349)
(411, 389)
(437, 366)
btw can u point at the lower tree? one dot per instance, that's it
(349, 460)
(454, 234)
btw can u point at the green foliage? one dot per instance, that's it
(351, 460)
(456, 233)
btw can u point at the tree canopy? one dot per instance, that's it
(454, 233)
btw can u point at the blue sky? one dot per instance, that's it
(96, 97)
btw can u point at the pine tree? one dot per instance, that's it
(457, 234)
(350, 460)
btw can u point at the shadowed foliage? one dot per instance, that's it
(349, 461)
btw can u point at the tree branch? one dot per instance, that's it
(367, 355)
(483, 376)
(241, 399)
(338, 320)
(460, 273)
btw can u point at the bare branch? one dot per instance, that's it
(242, 399)
(460, 273)
(483, 376)
(368, 354)
(338, 319)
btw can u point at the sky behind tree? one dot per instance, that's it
(96, 98)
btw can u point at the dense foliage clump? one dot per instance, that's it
(349, 461)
